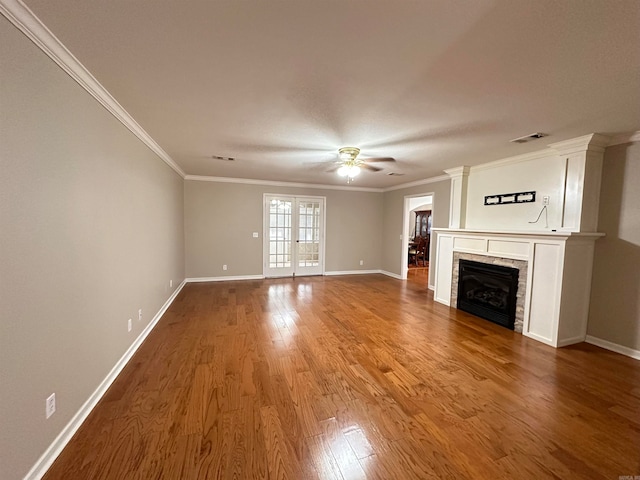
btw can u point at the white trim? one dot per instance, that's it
(27, 22)
(224, 279)
(55, 448)
(294, 269)
(516, 159)
(404, 237)
(439, 178)
(390, 274)
(625, 138)
(518, 233)
(253, 181)
(539, 338)
(614, 347)
(570, 341)
(592, 141)
(406, 213)
(262, 277)
(351, 272)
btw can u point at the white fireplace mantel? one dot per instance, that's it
(558, 282)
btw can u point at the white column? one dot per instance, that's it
(583, 172)
(458, 207)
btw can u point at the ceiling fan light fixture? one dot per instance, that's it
(343, 171)
(348, 153)
(350, 166)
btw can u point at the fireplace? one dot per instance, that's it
(488, 291)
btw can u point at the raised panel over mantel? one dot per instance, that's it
(558, 279)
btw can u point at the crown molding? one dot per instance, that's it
(439, 178)
(625, 138)
(252, 181)
(26, 21)
(525, 157)
(273, 183)
(593, 141)
(458, 171)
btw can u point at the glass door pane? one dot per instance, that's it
(309, 219)
(279, 236)
(294, 236)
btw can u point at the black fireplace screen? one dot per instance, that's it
(488, 291)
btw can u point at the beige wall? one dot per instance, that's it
(615, 293)
(394, 211)
(221, 217)
(90, 231)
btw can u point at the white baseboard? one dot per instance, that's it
(571, 341)
(390, 274)
(224, 279)
(51, 453)
(539, 338)
(614, 347)
(351, 272)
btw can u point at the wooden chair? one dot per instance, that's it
(417, 250)
(421, 251)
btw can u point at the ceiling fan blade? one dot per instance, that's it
(379, 159)
(328, 161)
(370, 167)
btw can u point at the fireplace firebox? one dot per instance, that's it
(488, 291)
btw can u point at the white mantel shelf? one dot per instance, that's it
(558, 286)
(519, 233)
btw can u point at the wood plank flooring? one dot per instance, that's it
(355, 377)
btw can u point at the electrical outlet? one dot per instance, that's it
(224, 267)
(139, 314)
(129, 326)
(50, 405)
(545, 200)
(361, 262)
(255, 234)
(170, 283)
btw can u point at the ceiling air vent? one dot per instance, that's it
(529, 138)
(226, 159)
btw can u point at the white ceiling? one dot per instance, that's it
(282, 84)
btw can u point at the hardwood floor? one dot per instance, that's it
(350, 378)
(418, 276)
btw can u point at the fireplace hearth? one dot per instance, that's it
(488, 291)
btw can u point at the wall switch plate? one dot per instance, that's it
(170, 283)
(224, 267)
(50, 405)
(361, 262)
(129, 326)
(139, 314)
(545, 200)
(255, 234)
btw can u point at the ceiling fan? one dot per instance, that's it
(349, 165)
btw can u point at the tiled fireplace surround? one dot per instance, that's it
(505, 262)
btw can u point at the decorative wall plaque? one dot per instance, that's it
(507, 198)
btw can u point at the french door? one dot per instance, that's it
(293, 236)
